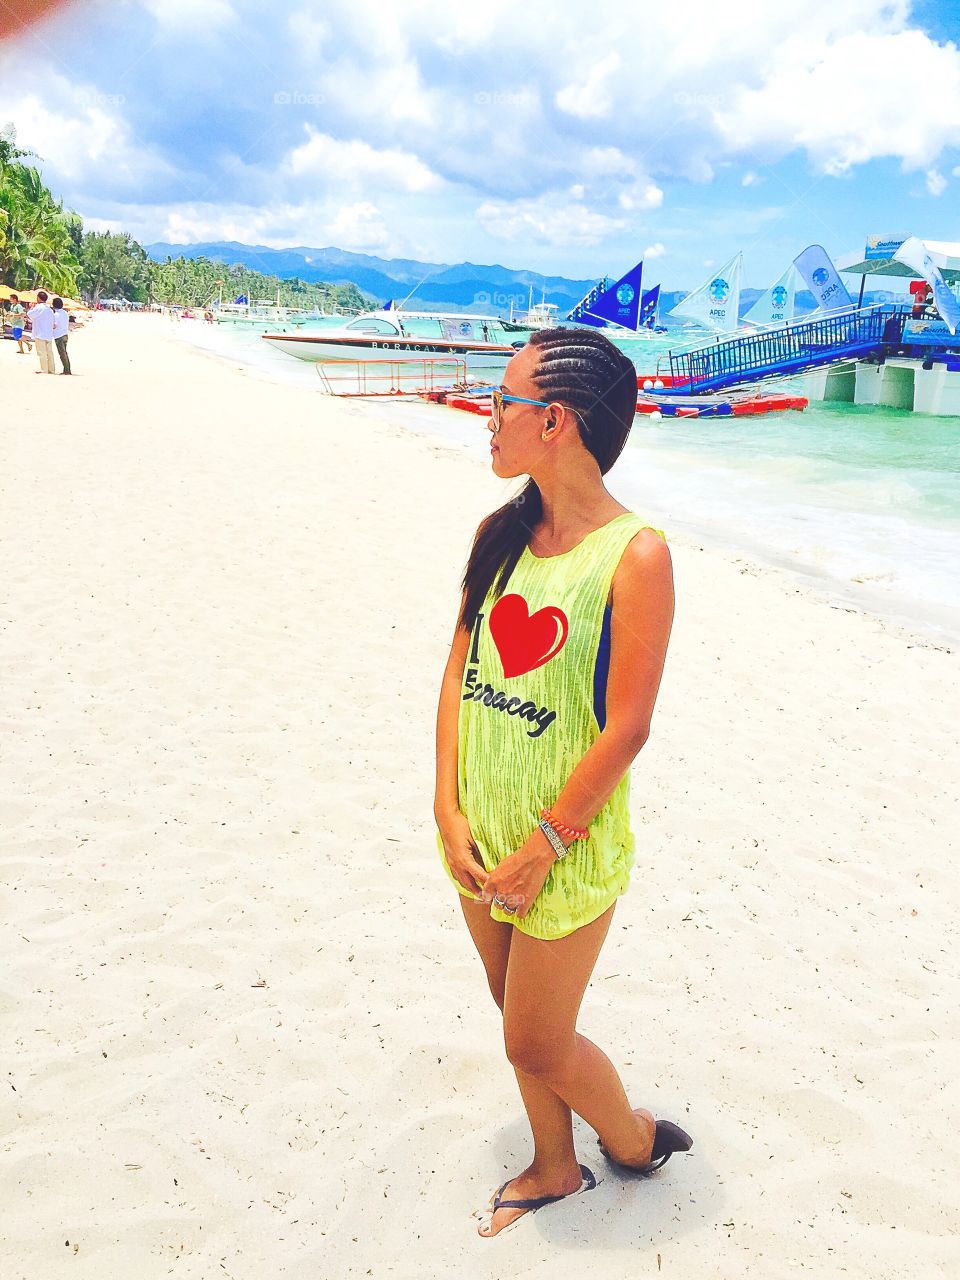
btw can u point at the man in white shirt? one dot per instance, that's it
(41, 317)
(61, 329)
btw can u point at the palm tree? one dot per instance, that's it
(36, 246)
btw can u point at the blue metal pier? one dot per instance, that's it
(792, 348)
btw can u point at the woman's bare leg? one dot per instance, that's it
(550, 1118)
(492, 940)
(627, 1135)
(542, 1039)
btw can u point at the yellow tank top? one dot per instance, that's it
(533, 700)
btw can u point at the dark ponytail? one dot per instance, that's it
(582, 369)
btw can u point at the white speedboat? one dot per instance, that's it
(398, 335)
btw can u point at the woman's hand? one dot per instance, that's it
(519, 877)
(462, 853)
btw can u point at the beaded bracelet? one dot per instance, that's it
(571, 833)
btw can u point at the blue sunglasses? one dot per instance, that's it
(499, 398)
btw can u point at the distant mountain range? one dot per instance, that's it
(464, 286)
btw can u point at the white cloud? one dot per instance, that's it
(425, 113)
(343, 162)
(309, 34)
(189, 224)
(654, 250)
(551, 219)
(936, 182)
(358, 226)
(642, 195)
(104, 224)
(387, 93)
(197, 15)
(605, 161)
(590, 98)
(79, 133)
(843, 102)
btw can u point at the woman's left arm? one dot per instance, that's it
(641, 620)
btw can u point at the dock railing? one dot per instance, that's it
(785, 349)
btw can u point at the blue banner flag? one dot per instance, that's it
(580, 313)
(620, 304)
(648, 306)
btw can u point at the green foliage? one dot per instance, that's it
(36, 243)
(198, 281)
(114, 265)
(42, 244)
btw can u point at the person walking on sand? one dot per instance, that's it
(41, 317)
(61, 333)
(18, 322)
(546, 698)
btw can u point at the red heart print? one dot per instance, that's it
(526, 640)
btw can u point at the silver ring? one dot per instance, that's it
(499, 902)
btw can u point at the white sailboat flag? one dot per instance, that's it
(716, 303)
(820, 276)
(913, 253)
(777, 304)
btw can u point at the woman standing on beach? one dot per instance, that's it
(546, 699)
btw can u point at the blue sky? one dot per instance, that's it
(569, 138)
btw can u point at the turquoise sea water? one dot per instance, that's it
(865, 501)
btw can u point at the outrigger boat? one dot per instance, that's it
(264, 314)
(621, 306)
(394, 334)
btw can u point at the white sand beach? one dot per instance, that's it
(245, 1031)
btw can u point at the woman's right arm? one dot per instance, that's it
(460, 849)
(446, 800)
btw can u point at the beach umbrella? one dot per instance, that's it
(25, 295)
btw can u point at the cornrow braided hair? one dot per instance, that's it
(582, 369)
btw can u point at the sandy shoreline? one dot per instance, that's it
(246, 1031)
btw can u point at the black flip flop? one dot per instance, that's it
(669, 1138)
(588, 1184)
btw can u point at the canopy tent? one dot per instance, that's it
(878, 259)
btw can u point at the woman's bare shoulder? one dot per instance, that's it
(645, 565)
